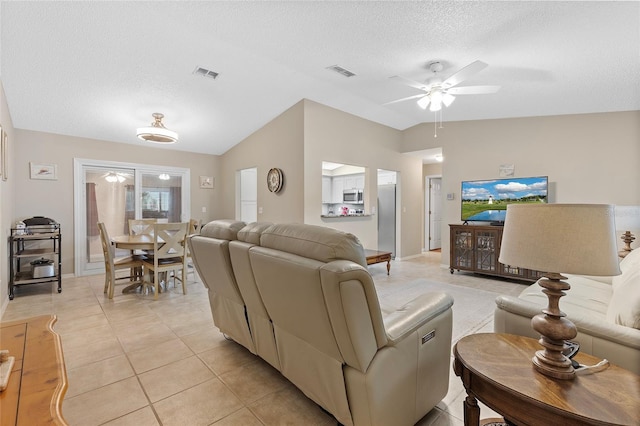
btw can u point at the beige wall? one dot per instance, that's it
(278, 144)
(54, 198)
(589, 158)
(297, 141)
(333, 135)
(6, 200)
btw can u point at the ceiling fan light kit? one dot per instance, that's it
(438, 92)
(156, 132)
(112, 177)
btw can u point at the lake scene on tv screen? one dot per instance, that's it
(487, 200)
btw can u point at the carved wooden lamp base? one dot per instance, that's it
(554, 329)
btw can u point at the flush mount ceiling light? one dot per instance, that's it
(164, 176)
(156, 132)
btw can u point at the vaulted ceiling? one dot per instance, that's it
(100, 69)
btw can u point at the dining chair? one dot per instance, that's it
(141, 226)
(113, 264)
(194, 229)
(169, 254)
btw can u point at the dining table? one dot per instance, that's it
(131, 243)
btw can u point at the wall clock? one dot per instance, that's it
(275, 179)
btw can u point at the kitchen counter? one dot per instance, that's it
(334, 216)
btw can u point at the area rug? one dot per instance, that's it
(472, 308)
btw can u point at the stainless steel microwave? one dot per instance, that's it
(352, 196)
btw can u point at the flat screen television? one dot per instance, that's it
(487, 200)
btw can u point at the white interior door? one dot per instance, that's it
(435, 213)
(248, 192)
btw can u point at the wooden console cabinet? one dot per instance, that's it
(476, 248)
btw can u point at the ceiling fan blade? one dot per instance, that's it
(473, 90)
(464, 73)
(410, 83)
(405, 99)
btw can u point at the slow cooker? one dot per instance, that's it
(42, 268)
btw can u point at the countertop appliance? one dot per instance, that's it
(40, 224)
(352, 196)
(43, 268)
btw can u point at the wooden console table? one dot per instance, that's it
(375, 256)
(38, 381)
(497, 370)
(476, 248)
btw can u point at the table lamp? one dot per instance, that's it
(555, 238)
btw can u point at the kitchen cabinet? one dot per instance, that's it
(355, 181)
(387, 178)
(41, 243)
(349, 182)
(337, 187)
(326, 189)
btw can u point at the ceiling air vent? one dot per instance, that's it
(340, 70)
(203, 72)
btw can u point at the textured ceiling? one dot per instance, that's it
(100, 69)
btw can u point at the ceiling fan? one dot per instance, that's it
(438, 92)
(116, 176)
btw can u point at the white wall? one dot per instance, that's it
(589, 158)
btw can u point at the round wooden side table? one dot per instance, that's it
(497, 370)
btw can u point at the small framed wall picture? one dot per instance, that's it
(206, 182)
(43, 171)
(507, 170)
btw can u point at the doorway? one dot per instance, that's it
(113, 193)
(433, 212)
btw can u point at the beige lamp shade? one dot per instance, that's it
(561, 238)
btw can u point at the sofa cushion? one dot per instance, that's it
(586, 297)
(252, 232)
(631, 261)
(314, 242)
(223, 229)
(624, 308)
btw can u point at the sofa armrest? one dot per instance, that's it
(414, 314)
(594, 326)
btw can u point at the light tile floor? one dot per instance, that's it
(136, 361)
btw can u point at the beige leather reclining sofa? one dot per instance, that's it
(300, 297)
